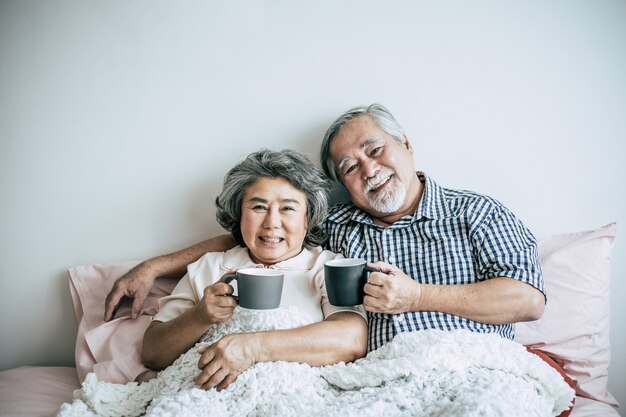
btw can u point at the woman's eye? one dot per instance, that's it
(288, 208)
(259, 207)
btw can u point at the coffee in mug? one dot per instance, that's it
(345, 279)
(258, 288)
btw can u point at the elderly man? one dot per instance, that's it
(447, 259)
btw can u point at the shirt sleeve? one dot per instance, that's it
(183, 298)
(190, 289)
(508, 249)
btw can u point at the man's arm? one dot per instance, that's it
(497, 300)
(137, 282)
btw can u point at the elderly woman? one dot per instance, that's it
(274, 204)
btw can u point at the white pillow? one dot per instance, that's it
(574, 329)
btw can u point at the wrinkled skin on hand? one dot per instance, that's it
(390, 290)
(215, 307)
(135, 284)
(223, 361)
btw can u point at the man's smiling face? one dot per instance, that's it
(377, 170)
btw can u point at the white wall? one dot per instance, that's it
(118, 120)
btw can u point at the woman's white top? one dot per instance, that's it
(303, 286)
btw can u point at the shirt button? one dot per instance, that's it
(400, 318)
(391, 259)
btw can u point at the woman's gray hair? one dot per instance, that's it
(377, 113)
(291, 165)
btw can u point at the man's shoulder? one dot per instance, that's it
(471, 206)
(478, 209)
(464, 199)
(341, 212)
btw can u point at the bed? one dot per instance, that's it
(577, 274)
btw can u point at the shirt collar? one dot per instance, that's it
(432, 206)
(239, 257)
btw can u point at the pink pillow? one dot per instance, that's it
(574, 329)
(36, 390)
(111, 350)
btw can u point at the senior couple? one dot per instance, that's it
(446, 259)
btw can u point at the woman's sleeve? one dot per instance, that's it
(182, 299)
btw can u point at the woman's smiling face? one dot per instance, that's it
(273, 220)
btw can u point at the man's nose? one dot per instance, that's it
(370, 168)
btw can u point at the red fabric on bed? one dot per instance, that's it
(571, 382)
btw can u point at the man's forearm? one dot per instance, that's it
(137, 282)
(494, 301)
(176, 263)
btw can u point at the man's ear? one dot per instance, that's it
(407, 143)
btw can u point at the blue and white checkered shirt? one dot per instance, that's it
(454, 237)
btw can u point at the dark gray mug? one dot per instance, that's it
(345, 279)
(258, 288)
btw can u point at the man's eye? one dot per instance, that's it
(350, 169)
(376, 151)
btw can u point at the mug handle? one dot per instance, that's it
(367, 269)
(227, 279)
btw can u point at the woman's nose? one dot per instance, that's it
(272, 219)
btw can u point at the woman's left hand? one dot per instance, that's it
(224, 360)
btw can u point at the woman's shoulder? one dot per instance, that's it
(328, 255)
(207, 258)
(217, 261)
(235, 258)
(319, 252)
(323, 255)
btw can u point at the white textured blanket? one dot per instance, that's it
(429, 373)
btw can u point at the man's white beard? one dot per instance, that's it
(390, 199)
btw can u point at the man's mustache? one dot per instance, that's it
(377, 180)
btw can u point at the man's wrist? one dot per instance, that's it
(147, 270)
(156, 267)
(418, 297)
